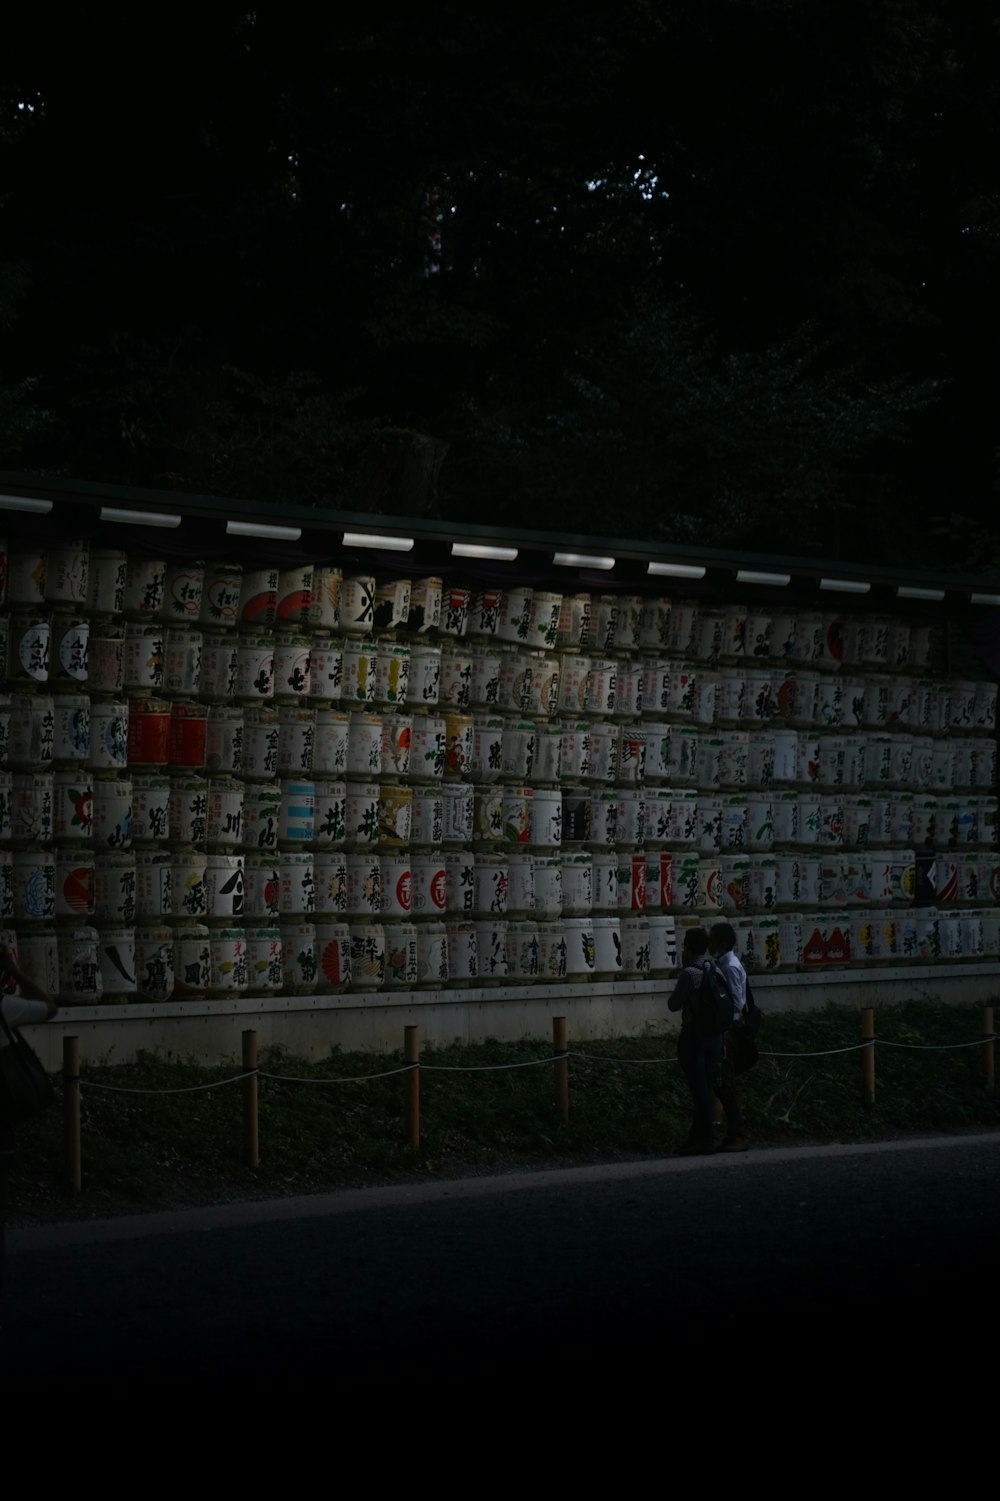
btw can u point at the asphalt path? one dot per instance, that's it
(847, 1259)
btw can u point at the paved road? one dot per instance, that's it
(864, 1255)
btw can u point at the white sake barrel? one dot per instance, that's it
(540, 688)
(144, 657)
(261, 886)
(362, 813)
(182, 663)
(458, 820)
(427, 748)
(425, 606)
(711, 822)
(487, 748)
(545, 818)
(74, 893)
(392, 604)
(67, 571)
(397, 744)
(225, 738)
(574, 752)
(630, 756)
(463, 953)
(106, 581)
(330, 876)
(759, 821)
(27, 643)
(547, 762)
(219, 666)
(295, 591)
(432, 954)
(225, 812)
(6, 806)
(458, 737)
(292, 667)
(602, 685)
(574, 681)
(220, 595)
(153, 885)
(229, 973)
(114, 887)
(265, 967)
(547, 878)
(573, 629)
(357, 604)
(360, 674)
(258, 603)
(603, 753)
(69, 661)
(455, 683)
(428, 884)
(709, 885)
(297, 873)
(491, 949)
(192, 961)
(154, 963)
(188, 810)
(261, 810)
(515, 614)
(326, 676)
(604, 617)
(401, 962)
(488, 815)
(31, 808)
(189, 896)
(607, 947)
(577, 883)
(662, 945)
(460, 881)
(330, 813)
(364, 745)
(364, 884)
(79, 966)
(733, 833)
(324, 606)
(605, 881)
(424, 681)
(523, 958)
(108, 736)
(785, 816)
(517, 814)
(490, 884)
(331, 742)
(451, 616)
(391, 673)
(113, 812)
(654, 625)
(296, 741)
(427, 818)
(396, 885)
(630, 817)
(658, 677)
(764, 882)
(255, 668)
(734, 875)
(297, 812)
(518, 740)
(635, 947)
(224, 886)
(520, 883)
(116, 957)
(484, 684)
(552, 951)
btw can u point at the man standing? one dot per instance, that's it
(722, 949)
(699, 1053)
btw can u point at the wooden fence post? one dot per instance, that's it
(988, 1076)
(71, 1112)
(562, 1068)
(251, 1139)
(411, 1084)
(868, 1055)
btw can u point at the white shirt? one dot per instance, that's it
(18, 1011)
(736, 979)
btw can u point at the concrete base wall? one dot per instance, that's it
(308, 1026)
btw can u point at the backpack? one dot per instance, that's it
(715, 1008)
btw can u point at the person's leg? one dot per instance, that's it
(736, 1135)
(6, 1158)
(698, 1059)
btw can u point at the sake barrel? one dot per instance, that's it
(220, 595)
(70, 652)
(219, 664)
(425, 606)
(324, 606)
(330, 876)
(455, 681)
(484, 684)
(635, 947)
(547, 876)
(607, 948)
(491, 949)
(603, 754)
(192, 961)
(463, 953)
(188, 810)
(108, 736)
(228, 949)
(114, 887)
(188, 735)
(630, 756)
(458, 738)
(427, 747)
(296, 741)
(330, 743)
(74, 884)
(28, 648)
(357, 604)
(660, 880)
(395, 885)
(392, 672)
(116, 957)
(153, 885)
(79, 967)
(70, 728)
(630, 817)
(255, 668)
(401, 963)
(364, 745)
(112, 812)
(456, 602)
(360, 674)
(521, 883)
(605, 881)
(296, 812)
(574, 628)
(150, 730)
(423, 685)
(225, 812)
(576, 875)
(31, 808)
(183, 587)
(333, 955)
(631, 882)
(261, 886)
(265, 960)
(144, 658)
(662, 945)
(292, 667)
(105, 661)
(458, 815)
(261, 809)
(459, 881)
(224, 887)
(428, 884)
(224, 737)
(523, 956)
(299, 958)
(258, 606)
(29, 720)
(326, 678)
(553, 950)
(362, 813)
(154, 963)
(427, 817)
(297, 873)
(367, 956)
(432, 954)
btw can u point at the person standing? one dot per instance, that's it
(26, 1004)
(722, 949)
(699, 1053)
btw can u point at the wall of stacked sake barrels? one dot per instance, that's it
(233, 782)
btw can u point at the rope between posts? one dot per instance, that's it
(853, 1047)
(611, 1058)
(185, 1089)
(486, 1068)
(937, 1047)
(354, 1079)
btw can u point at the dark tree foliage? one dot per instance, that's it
(723, 269)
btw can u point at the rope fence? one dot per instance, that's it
(412, 1067)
